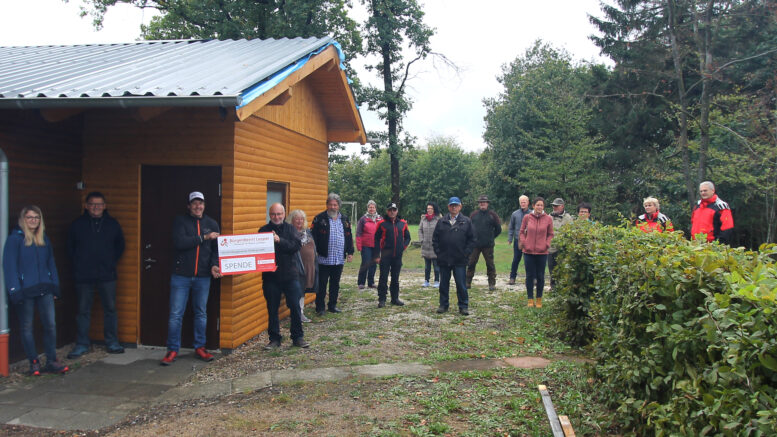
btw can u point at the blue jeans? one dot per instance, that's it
(535, 270)
(367, 267)
(272, 295)
(460, 276)
(180, 287)
(26, 311)
(85, 294)
(428, 263)
(517, 254)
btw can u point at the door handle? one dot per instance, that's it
(149, 260)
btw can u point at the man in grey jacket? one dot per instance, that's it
(561, 218)
(512, 235)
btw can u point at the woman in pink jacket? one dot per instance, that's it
(535, 235)
(365, 243)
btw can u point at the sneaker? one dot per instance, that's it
(304, 319)
(361, 286)
(397, 302)
(300, 342)
(511, 281)
(77, 351)
(441, 310)
(464, 311)
(55, 367)
(320, 312)
(112, 350)
(335, 310)
(35, 368)
(273, 344)
(203, 354)
(169, 358)
(381, 304)
(371, 286)
(436, 284)
(425, 284)
(491, 288)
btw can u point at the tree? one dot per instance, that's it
(393, 27)
(539, 136)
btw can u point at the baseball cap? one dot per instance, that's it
(196, 195)
(391, 205)
(558, 201)
(454, 201)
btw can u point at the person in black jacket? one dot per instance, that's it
(391, 239)
(196, 260)
(453, 241)
(95, 244)
(487, 227)
(334, 244)
(284, 280)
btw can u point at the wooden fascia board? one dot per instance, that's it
(315, 62)
(55, 115)
(356, 119)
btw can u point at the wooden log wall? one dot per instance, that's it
(44, 166)
(116, 144)
(288, 146)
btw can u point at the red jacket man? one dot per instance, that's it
(712, 216)
(391, 239)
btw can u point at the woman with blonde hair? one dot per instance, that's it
(32, 282)
(653, 220)
(307, 264)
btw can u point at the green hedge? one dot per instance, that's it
(684, 333)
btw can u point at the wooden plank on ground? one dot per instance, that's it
(566, 425)
(555, 425)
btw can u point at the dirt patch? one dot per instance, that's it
(462, 365)
(528, 362)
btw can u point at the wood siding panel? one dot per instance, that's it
(44, 165)
(116, 144)
(268, 151)
(302, 113)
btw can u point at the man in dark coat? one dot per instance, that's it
(453, 241)
(487, 227)
(391, 239)
(196, 260)
(95, 244)
(284, 281)
(334, 244)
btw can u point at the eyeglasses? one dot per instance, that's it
(32, 217)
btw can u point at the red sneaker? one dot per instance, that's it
(169, 358)
(203, 354)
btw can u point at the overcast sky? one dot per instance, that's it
(480, 37)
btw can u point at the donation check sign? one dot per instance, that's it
(246, 253)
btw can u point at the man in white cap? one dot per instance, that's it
(196, 260)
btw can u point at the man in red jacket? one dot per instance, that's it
(391, 239)
(712, 216)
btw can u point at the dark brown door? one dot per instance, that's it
(164, 194)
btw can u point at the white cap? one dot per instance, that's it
(196, 195)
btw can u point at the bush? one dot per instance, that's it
(683, 333)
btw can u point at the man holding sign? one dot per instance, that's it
(196, 260)
(284, 280)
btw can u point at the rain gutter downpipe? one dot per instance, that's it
(4, 331)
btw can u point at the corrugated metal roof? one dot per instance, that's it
(216, 71)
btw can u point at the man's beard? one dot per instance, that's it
(332, 214)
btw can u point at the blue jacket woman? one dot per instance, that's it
(32, 282)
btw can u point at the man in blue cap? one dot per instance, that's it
(453, 241)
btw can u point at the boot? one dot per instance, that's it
(539, 302)
(531, 303)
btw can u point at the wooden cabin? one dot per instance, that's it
(245, 122)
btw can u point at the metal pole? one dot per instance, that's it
(4, 331)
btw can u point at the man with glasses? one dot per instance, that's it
(95, 244)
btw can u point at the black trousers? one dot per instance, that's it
(392, 264)
(331, 275)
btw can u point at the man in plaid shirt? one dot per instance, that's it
(334, 244)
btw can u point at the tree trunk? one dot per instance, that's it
(393, 122)
(703, 41)
(678, 68)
